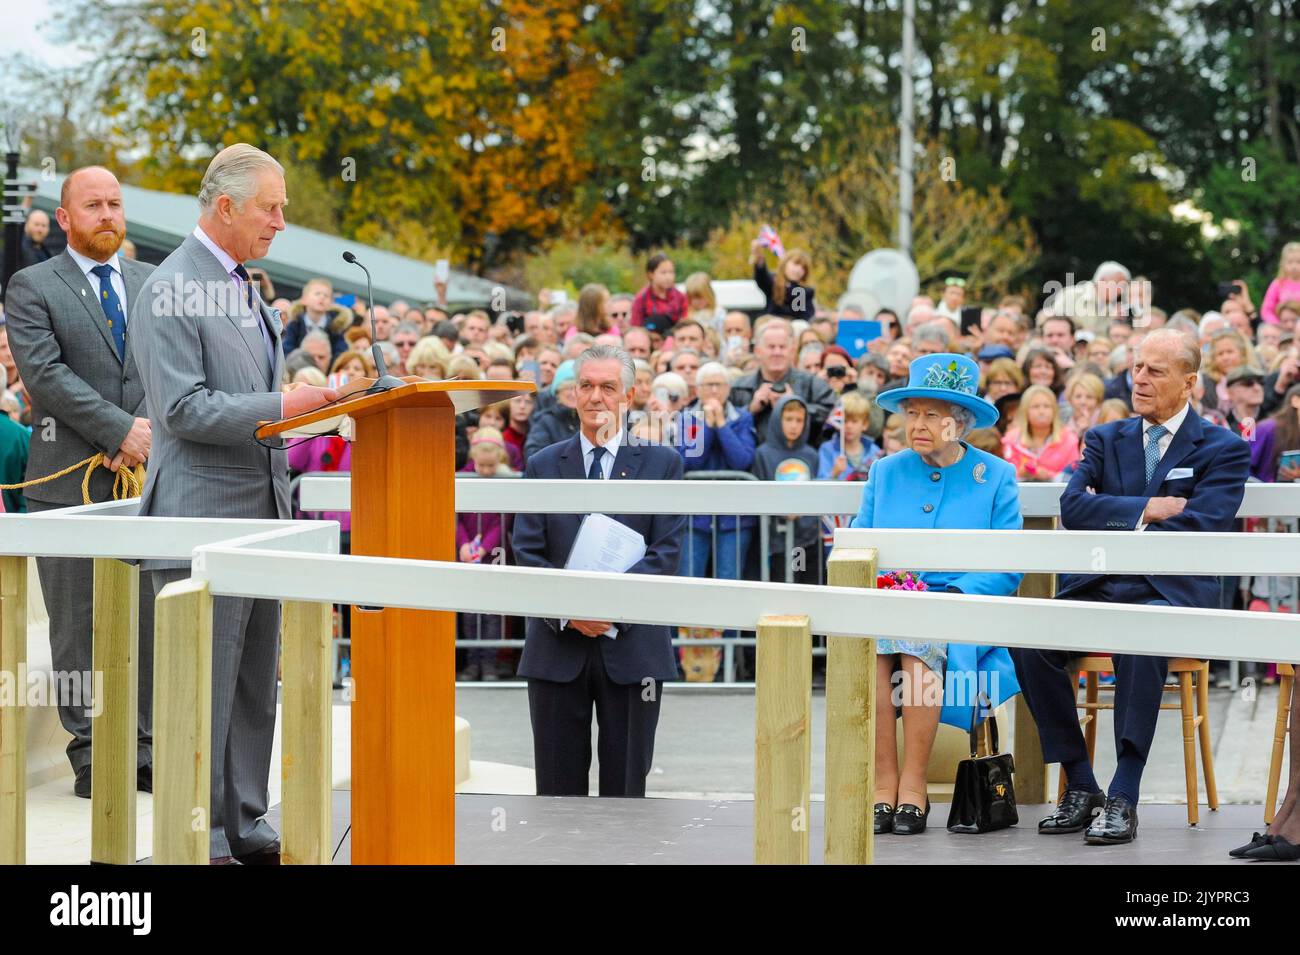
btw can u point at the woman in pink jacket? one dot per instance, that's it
(1037, 444)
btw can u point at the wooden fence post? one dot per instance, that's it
(782, 740)
(307, 679)
(182, 723)
(115, 623)
(13, 722)
(850, 723)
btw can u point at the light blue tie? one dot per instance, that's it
(1154, 434)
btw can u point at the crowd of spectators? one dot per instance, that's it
(777, 396)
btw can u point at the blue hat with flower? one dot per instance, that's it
(944, 377)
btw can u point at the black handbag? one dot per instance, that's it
(983, 797)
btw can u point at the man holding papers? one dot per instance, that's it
(573, 665)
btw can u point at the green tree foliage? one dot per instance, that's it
(422, 125)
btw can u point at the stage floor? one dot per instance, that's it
(536, 830)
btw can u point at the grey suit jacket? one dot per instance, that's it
(208, 383)
(84, 397)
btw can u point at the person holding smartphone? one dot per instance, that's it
(1275, 450)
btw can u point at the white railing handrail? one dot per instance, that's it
(110, 530)
(1079, 552)
(777, 498)
(297, 560)
(720, 604)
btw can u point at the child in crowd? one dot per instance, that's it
(787, 292)
(494, 416)
(787, 456)
(894, 438)
(847, 455)
(483, 539)
(659, 305)
(1113, 409)
(1284, 288)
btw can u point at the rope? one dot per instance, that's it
(128, 482)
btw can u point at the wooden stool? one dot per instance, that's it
(1196, 717)
(1287, 673)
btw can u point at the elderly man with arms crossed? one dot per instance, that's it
(1164, 470)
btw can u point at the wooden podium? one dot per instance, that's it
(403, 661)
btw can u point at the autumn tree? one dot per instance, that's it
(452, 119)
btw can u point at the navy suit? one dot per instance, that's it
(568, 672)
(1113, 467)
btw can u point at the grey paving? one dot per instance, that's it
(535, 830)
(705, 743)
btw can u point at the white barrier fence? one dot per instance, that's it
(725, 604)
(811, 498)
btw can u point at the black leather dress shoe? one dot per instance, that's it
(144, 779)
(1277, 849)
(1073, 813)
(268, 855)
(81, 784)
(1116, 825)
(1257, 839)
(883, 818)
(909, 820)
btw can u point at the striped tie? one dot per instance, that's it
(1154, 434)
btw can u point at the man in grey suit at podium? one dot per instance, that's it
(212, 365)
(69, 335)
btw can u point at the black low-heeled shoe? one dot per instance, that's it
(1256, 840)
(909, 820)
(1277, 849)
(883, 818)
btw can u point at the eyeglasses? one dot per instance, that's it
(960, 283)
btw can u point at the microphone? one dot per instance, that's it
(385, 381)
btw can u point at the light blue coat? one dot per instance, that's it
(903, 491)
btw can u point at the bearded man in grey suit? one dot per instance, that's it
(212, 367)
(76, 352)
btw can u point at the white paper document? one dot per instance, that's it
(605, 545)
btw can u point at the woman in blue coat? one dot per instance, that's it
(938, 481)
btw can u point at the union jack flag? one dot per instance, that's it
(836, 419)
(767, 235)
(832, 521)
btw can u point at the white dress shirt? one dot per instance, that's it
(1172, 425)
(606, 469)
(85, 263)
(607, 460)
(1171, 428)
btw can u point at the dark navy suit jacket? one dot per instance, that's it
(1113, 466)
(544, 540)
